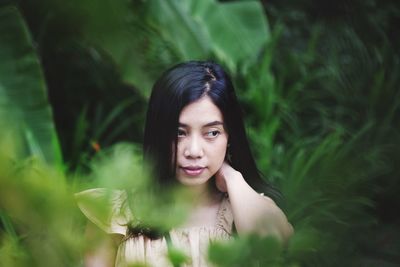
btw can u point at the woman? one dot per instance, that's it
(194, 137)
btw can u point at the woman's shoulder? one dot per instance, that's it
(105, 208)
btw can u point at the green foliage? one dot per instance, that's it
(234, 32)
(145, 37)
(158, 208)
(319, 91)
(176, 256)
(324, 125)
(38, 214)
(23, 97)
(247, 251)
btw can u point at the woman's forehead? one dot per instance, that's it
(201, 112)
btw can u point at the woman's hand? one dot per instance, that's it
(252, 212)
(224, 175)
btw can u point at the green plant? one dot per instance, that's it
(24, 108)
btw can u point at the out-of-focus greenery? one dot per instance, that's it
(38, 215)
(23, 97)
(318, 81)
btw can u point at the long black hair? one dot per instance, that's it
(179, 86)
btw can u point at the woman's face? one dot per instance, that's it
(202, 142)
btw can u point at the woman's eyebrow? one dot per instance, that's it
(182, 125)
(213, 123)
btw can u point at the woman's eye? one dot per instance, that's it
(212, 134)
(181, 133)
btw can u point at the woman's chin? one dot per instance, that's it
(193, 180)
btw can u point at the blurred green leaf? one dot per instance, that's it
(177, 257)
(24, 107)
(233, 31)
(38, 205)
(145, 38)
(246, 251)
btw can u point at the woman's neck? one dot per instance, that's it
(203, 195)
(206, 202)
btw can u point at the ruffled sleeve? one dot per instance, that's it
(106, 209)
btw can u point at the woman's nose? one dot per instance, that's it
(194, 148)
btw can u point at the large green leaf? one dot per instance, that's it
(234, 32)
(24, 108)
(146, 37)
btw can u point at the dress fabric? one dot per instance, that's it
(107, 209)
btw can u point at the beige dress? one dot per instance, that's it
(112, 217)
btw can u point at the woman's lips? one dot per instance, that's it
(193, 171)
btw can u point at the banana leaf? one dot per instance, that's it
(235, 32)
(146, 37)
(24, 107)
